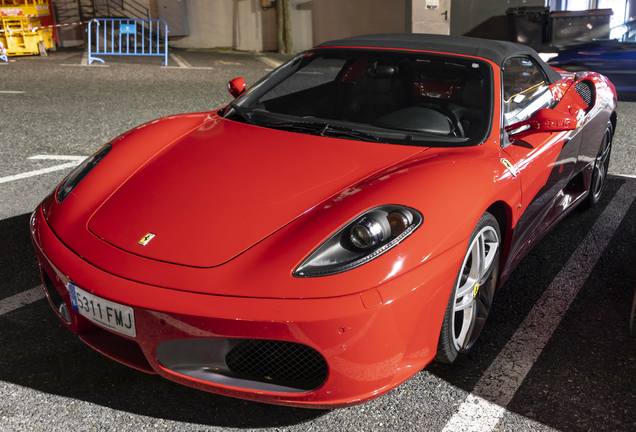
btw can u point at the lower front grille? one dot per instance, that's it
(278, 362)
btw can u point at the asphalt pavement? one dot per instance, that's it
(582, 379)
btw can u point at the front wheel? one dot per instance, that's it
(601, 165)
(473, 292)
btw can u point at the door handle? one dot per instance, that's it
(445, 15)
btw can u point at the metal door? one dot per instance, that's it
(431, 16)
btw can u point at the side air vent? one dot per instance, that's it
(586, 90)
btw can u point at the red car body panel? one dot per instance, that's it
(252, 192)
(376, 325)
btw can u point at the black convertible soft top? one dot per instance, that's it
(496, 51)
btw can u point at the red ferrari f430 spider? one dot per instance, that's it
(343, 222)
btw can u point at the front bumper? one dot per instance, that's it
(371, 341)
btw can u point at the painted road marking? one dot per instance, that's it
(84, 62)
(269, 61)
(11, 92)
(57, 157)
(24, 298)
(191, 67)
(75, 161)
(180, 61)
(79, 65)
(484, 407)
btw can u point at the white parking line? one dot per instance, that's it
(24, 298)
(269, 61)
(625, 175)
(57, 157)
(181, 62)
(482, 410)
(11, 92)
(81, 65)
(189, 68)
(75, 161)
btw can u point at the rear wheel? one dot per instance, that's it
(473, 292)
(601, 165)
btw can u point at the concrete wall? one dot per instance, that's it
(335, 19)
(211, 24)
(241, 24)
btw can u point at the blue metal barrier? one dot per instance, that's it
(130, 37)
(3, 53)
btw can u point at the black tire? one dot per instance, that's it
(601, 165)
(473, 291)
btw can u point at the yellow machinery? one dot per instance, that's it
(20, 30)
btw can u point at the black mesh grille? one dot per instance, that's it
(278, 362)
(586, 91)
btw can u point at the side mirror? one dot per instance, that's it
(236, 86)
(545, 120)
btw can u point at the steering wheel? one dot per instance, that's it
(457, 128)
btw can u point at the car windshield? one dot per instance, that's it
(399, 97)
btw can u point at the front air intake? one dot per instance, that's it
(255, 364)
(586, 90)
(281, 362)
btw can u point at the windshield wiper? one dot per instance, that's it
(241, 113)
(324, 129)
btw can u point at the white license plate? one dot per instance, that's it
(106, 313)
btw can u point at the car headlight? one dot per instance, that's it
(366, 237)
(78, 174)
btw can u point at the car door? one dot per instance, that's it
(544, 161)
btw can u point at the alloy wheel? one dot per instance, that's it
(601, 166)
(475, 289)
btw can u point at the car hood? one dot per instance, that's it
(225, 186)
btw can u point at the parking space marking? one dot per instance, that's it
(18, 300)
(269, 61)
(188, 68)
(485, 406)
(180, 61)
(81, 65)
(11, 92)
(84, 62)
(75, 161)
(57, 157)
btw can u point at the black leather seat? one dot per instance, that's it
(469, 108)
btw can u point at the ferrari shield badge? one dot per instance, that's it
(146, 239)
(510, 167)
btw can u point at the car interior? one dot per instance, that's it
(431, 96)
